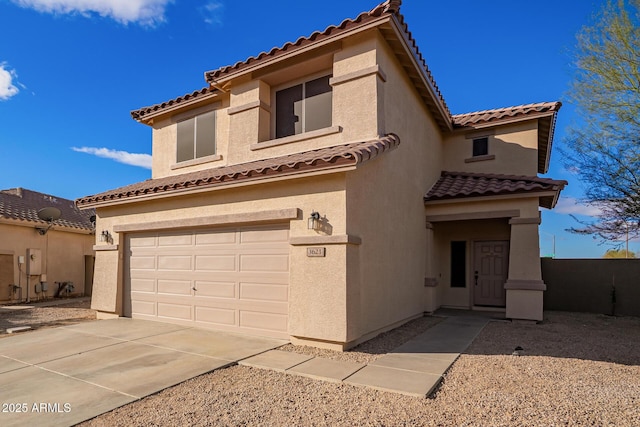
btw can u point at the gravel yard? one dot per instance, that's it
(68, 312)
(576, 369)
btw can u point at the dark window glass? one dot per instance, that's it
(458, 264)
(480, 147)
(304, 107)
(288, 111)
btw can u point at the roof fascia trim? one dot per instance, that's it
(466, 199)
(425, 79)
(147, 119)
(220, 186)
(314, 45)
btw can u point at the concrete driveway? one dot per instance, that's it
(66, 375)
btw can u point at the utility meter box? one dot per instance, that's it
(34, 262)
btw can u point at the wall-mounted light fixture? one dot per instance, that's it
(105, 236)
(313, 223)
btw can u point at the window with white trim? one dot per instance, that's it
(303, 107)
(197, 137)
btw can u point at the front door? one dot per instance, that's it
(491, 266)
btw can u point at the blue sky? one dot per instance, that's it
(71, 70)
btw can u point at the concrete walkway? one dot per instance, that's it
(63, 376)
(415, 368)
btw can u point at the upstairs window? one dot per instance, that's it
(480, 147)
(197, 137)
(303, 107)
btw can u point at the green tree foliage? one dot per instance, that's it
(604, 147)
(619, 253)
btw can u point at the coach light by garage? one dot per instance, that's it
(313, 223)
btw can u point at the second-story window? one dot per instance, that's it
(303, 107)
(480, 147)
(197, 137)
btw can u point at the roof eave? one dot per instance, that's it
(148, 118)
(444, 120)
(260, 64)
(215, 186)
(483, 198)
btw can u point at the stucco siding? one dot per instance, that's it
(62, 258)
(385, 206)
(515, 148)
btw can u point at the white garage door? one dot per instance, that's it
(233, 279)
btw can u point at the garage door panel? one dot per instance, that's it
(143, 307)
(220, 316)
(172, 262)
(215, 263)
(240, 278)
(258, 320)
(143, 285)
(175, 311)
(264, 236)
(216, 289)
(264, 292)
(175, 240)
(143, 263)
(264, 263)
(142, 241)
(223, 238)
(174, 287)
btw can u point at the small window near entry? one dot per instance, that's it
(458, 264)
(480, 147)
(197, 137)
(304, 107)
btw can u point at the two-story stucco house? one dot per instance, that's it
(322, 192)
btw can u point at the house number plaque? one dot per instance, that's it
(316, 252)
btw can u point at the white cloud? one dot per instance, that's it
(133, 159)
(146, 12)
(7, 86)
(212, 12)
(569, 205)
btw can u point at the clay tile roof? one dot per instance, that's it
(456, 185)
(145, 111)
(485, 116)
(391, 7)
(21, 204)
(320, 159)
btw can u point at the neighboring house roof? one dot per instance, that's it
(545, 112)
(391, 25)
(23, 205)
(315, 160)
(463, 185)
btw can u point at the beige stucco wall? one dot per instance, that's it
(514, 146)
(385, 206)
(63, 258)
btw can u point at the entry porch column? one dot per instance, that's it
(524, 286)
